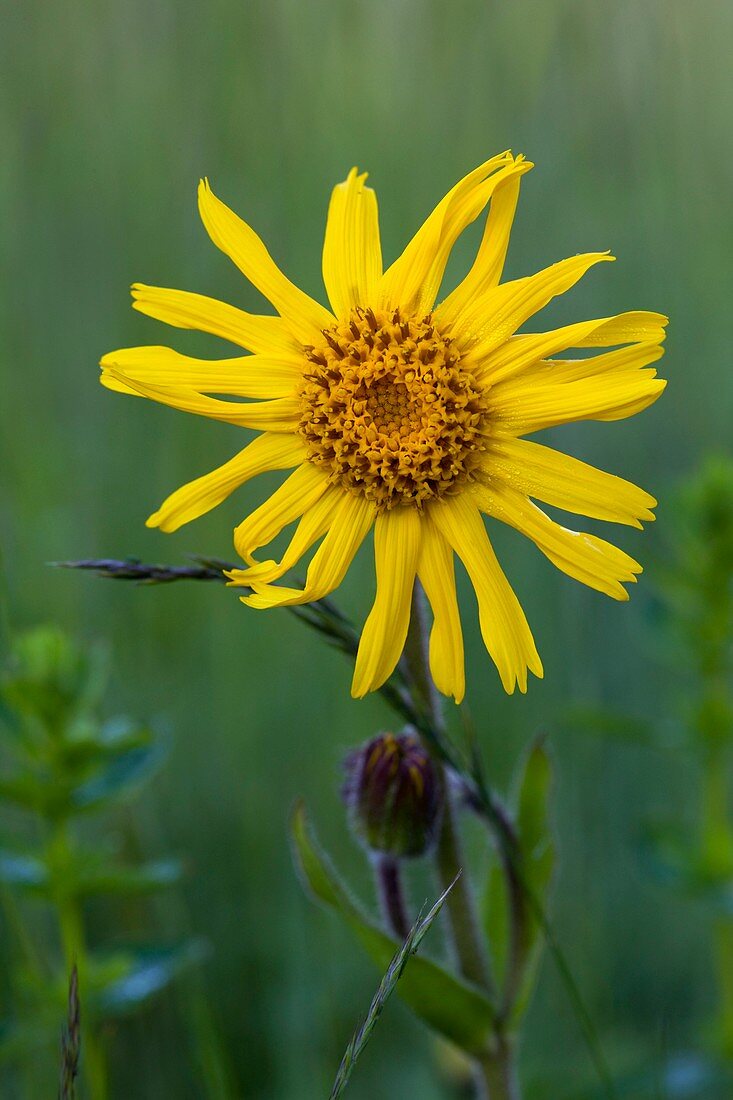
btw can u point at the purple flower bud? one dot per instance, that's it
(393, 794)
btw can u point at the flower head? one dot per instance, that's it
(393, 794)
(408, 417)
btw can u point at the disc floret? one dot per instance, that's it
(388, 410)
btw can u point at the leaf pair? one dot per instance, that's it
(86, 874)
(450, 1006)
(116, 985)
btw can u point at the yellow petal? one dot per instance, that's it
(266, 452)
(504, 628)
(493, 317)
(350, 524)
(292, 500)
(413, 280)
(396, 551)
(352, 253)
(565, 482)
(588, 559)
(636, 326)
(281, 415)
(305, 317)
(245, 376)
(489, 262)
(268, 335)
(524, 405)
(631, 358)
(437, 574)
(522, 352)
(311, 527)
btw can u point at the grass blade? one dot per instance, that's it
(394, 972)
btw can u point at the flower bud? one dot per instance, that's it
(394, 796)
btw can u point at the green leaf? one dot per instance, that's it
(87, 744)
(534, 793)
(147, 973)
(121, 734)
(119, 777)
(531, 869)
(495, 911)
(452, 1007)
(51, 679)
(537, 851)
(21, 790)
(115, 983)
(129, 880)
(22, 870)
(89, 768)
(387, 985)
(537, 862)
(85, 872)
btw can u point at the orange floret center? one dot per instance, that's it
(388, 411)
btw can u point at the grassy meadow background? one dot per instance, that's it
(109, 113)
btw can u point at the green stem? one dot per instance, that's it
(460, 904)
(391, 895)
(495, 1073)
(73, 945)
(27, 1071)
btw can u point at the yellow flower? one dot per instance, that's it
(408, 417)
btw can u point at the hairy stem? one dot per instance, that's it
(460, 905)
(495, 1074)
(391, 895)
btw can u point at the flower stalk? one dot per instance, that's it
(495, 1073)
(391, 895)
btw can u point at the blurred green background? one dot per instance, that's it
(109, 113)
